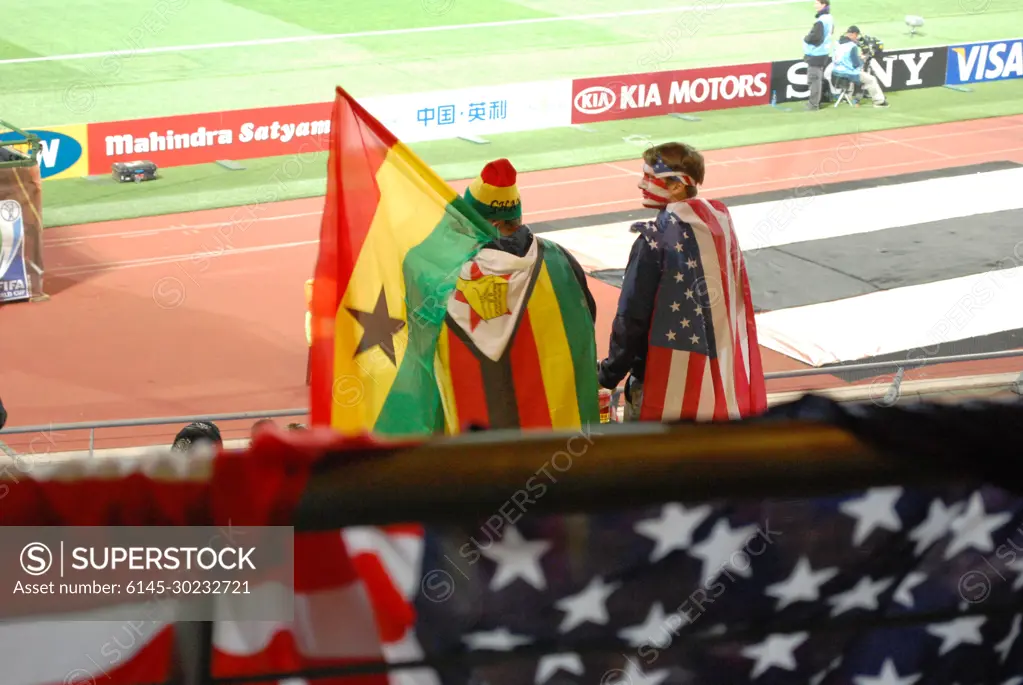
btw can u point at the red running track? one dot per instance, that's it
(203, 312)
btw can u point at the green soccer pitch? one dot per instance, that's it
(163, 57)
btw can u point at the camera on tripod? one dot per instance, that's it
(870, 47)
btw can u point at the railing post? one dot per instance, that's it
(92, 442)
(193, 652)
(894, 390)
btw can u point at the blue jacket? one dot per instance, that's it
(817, 43)
(630, 330)
(848, 62)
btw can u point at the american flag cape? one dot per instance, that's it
(333, 625)
(703, 359)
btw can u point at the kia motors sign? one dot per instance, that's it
(610, 98)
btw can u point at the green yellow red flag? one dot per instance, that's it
(393, 239)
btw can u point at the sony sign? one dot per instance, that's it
(896, 70)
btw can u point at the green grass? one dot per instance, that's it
(208, 186)
(388, 14)
(143, 84)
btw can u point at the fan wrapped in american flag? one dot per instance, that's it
(685, 331)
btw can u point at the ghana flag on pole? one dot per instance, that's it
(393, 240)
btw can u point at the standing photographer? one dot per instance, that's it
(849, 64)
(817, 51)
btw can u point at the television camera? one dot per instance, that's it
(870, 47)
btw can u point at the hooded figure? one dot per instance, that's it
(684, 332)
(517, 348)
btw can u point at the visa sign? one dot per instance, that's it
(980, 62)
(58, 152)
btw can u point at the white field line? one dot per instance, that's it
(393, 32)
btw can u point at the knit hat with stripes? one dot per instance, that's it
(494, 194)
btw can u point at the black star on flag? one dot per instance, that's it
(378, 328)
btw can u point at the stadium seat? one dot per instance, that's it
(847, 88)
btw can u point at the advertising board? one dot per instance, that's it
(612, 98)
(474, 112)
(982, 62)
(203, 138)
(298, 129)
(64, 150)
(895, 70)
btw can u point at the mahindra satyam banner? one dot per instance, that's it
(980, 62)
(204, 138)
(610, 98)
(64, 150)
(895, 70)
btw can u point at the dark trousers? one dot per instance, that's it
(815, 78)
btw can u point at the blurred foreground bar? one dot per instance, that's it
(473, 477)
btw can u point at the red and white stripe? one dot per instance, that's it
(655, 188)
(333, 622)
(389, 562)
(686, 385)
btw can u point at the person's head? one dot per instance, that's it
(671, 173)
(821, 4)
(496, 197)
(853, 32)
(297, 427)
(195, 434)
(3, 415)
(260, 425)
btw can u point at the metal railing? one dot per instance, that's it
(16, 157)
(899, 365)
(93, 426)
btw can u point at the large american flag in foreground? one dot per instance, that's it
(888, 586)
(789, 591)
(703, 360)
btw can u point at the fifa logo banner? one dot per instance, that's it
(13, 275)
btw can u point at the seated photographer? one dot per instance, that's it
(848, 63)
